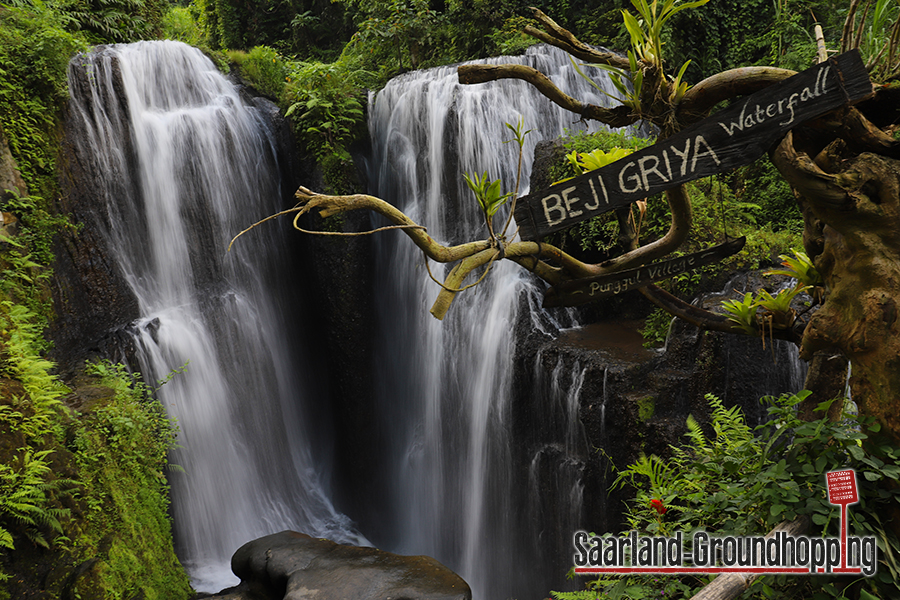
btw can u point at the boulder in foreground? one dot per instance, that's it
(295, 566)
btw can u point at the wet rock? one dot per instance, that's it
(10, 178)
(295, 566)
(92, 299)
(631, 400)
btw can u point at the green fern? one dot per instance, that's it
(26, 496)
(729, 423)
(660, 476)
(695, 434)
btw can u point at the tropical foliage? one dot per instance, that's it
(729, 478)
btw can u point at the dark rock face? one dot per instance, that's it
(295, 566)
(342, 274)
(632, 400)
(90, 295)
(546, 154)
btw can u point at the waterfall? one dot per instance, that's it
(556, 469)
(444, 387)
(183, 162)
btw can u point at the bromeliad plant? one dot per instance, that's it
(645, 57)
(583, 162)
(800, 267)
(777, 311)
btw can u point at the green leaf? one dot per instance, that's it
(634, 28)
(871, 476)
(892, 471)
(855, 451)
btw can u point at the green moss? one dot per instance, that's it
(646, 408)
(264, 68)
(93, 480)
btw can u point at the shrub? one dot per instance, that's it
(742, 481)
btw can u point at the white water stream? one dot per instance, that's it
(445, 387)
(184, 163)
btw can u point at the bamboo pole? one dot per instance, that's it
(820, 44)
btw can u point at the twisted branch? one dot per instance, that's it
(564, 40)
(619, 116)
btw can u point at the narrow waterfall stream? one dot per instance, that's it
(444, 387)
(184, 162)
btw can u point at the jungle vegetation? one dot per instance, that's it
(74, 473)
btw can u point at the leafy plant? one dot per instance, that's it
(22, 335)
(656, 328)
(26, 491)
(800, 267)
(110, 21)
(489, 196)
(742, 313)
(400, 27)
(877, 35)
(743, 481)
(645, 56)
(780, 302)
(263, 67)
(583, 162)
(325, 101)
(179, 24)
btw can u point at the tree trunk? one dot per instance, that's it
(859, 208)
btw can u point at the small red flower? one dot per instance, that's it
(657, 504)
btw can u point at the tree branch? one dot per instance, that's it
(455, 278)
(619, 116)
(863, 136)
(333, 205)
(564, 40)
(726, 85)
(809, 180)
(731, 585)
(680, 207)
(710, 321)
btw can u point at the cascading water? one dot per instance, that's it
(444, 387)
(183, 162)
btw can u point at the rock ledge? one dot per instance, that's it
(295, 566)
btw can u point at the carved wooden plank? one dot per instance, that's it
(582, 291)
(733, 137)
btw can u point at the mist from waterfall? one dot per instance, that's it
(184, 162)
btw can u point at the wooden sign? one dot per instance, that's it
(731, 138)
(582, 291)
